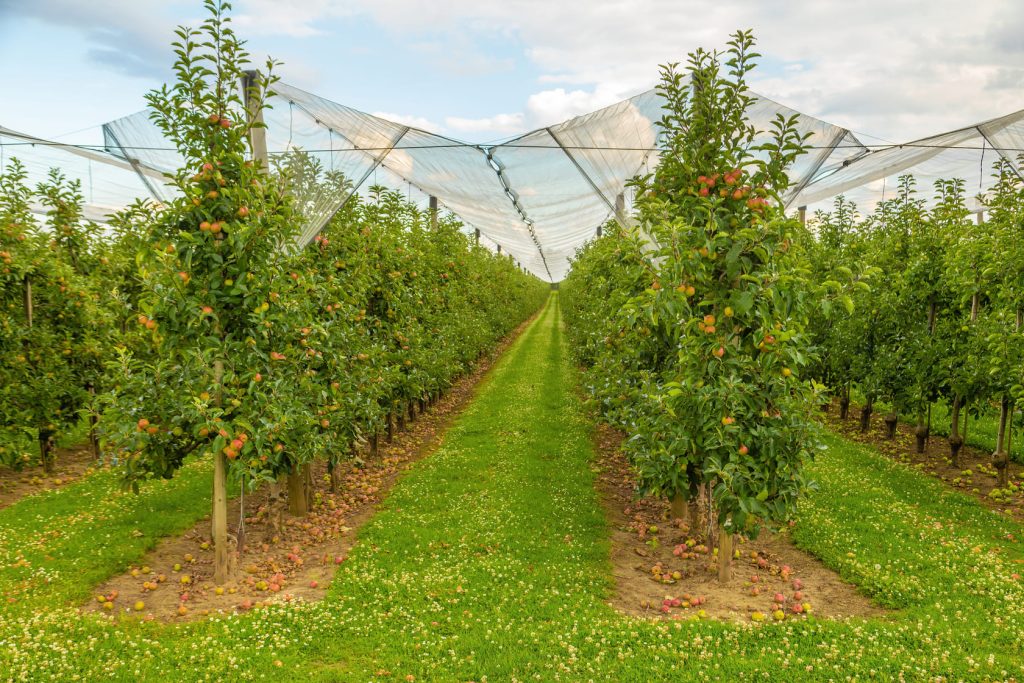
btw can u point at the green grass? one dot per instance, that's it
(489, 562)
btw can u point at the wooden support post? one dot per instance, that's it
(433, 212)
(803, 215)
(499, 248)
(599, 229)
(297, 491)
(725, 553)
(620, 209)
(221, 559)
(476, 235)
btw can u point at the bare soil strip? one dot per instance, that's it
(69, 465)
(297, 560)
(662, 570)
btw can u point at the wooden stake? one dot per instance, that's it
(297, 491)
(221, 559)
(724, 555)
(433, 212)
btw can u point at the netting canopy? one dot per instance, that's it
(108, 183)
(538, 196)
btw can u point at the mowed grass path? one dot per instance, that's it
(489, 562)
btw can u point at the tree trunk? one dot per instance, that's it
(844, 403)
(307, 480)
(921, 430)
(46, 450)
(685, 510)
(332, 470)
(278, 502)
(94, 441)
(401, 418)
(967, 421)
(724, 555)
(956, 442)
(374, 444)
(423, 405)
(297, 491)
(891, 421)
(221, 553)
(412, 410)
(391, 427)
(1000, 459)
(865, 415)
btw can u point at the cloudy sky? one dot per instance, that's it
(481, 70)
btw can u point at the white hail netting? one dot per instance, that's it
(539, 196)
(108, 184)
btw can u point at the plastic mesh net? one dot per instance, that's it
(540, 195)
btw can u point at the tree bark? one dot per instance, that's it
(891, 422)
(1000, 459)
(844, 403)
(921, 430)
(865, 415)
(94, 441)
(956, 442)
(46, 450)
(685, 510)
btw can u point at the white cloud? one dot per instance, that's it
(289, 18)
(896, 70)
(548, 107)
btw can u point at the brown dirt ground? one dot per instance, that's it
(69, 465)
(644, 537)
(300, 559)
(975, 476)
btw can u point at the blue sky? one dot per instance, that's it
(483, 70)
